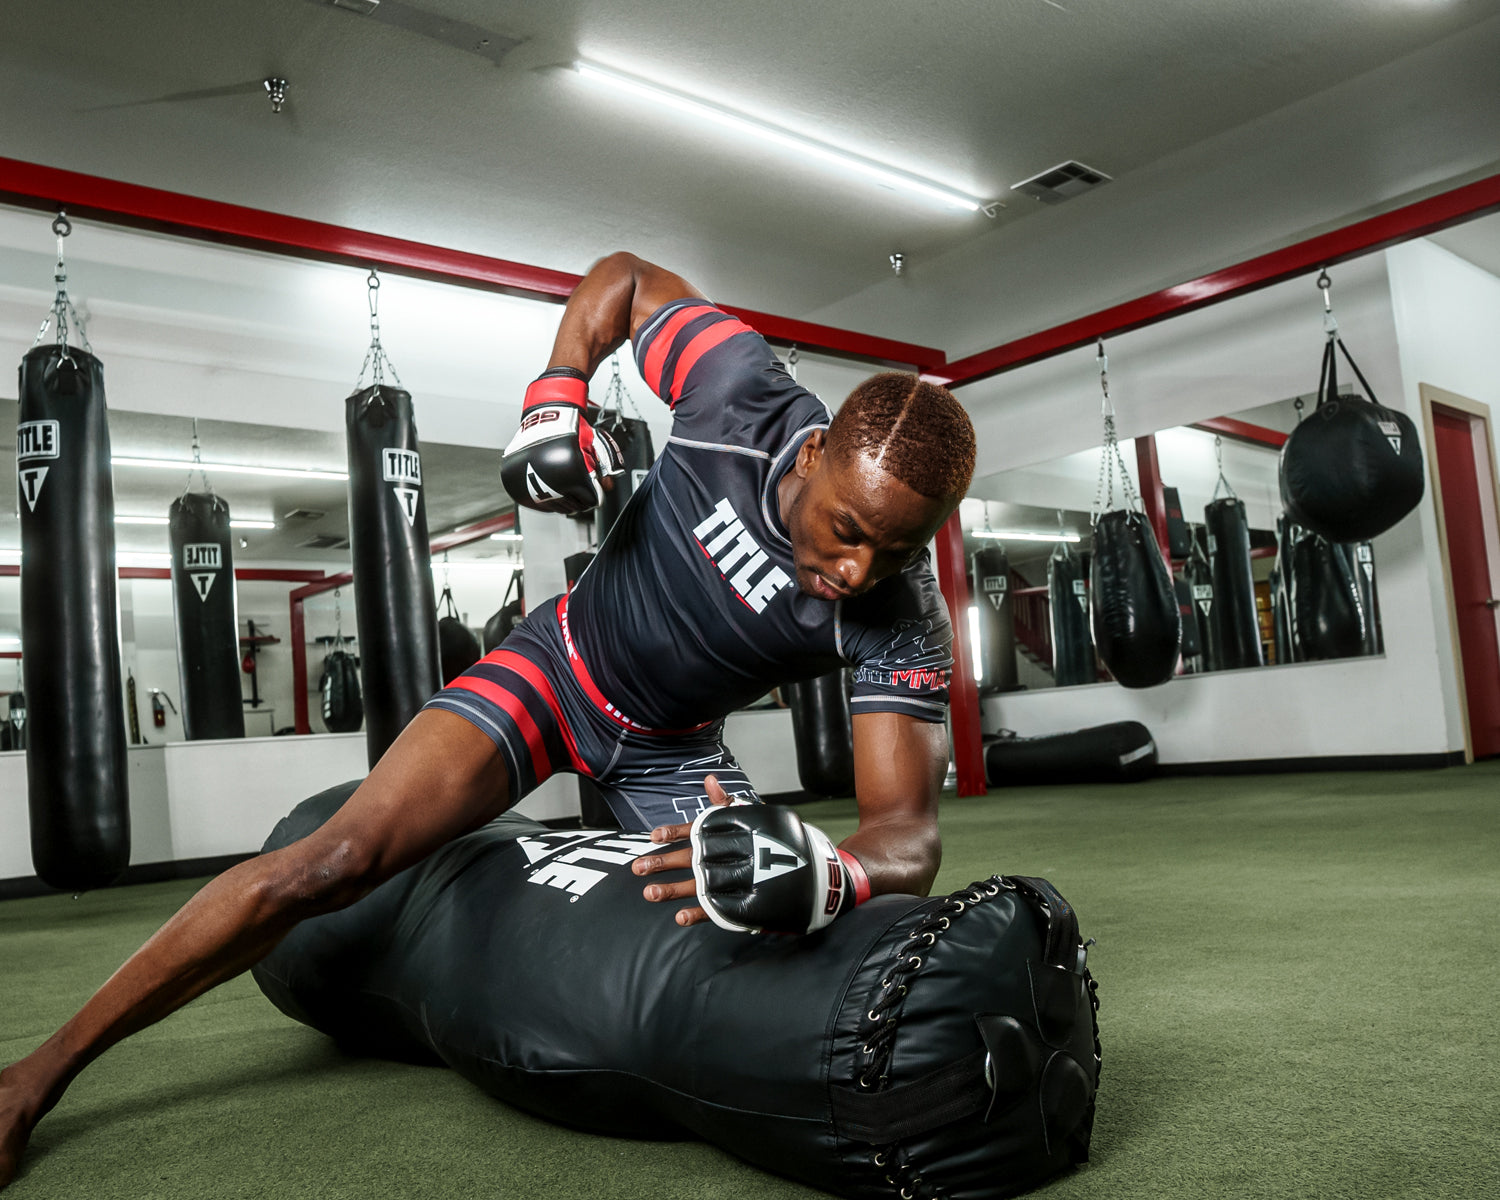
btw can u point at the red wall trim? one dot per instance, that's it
(1243, 431)
(963, 690)
(1153, 499)
(465, 534)
(1376, 233)
(32, 185)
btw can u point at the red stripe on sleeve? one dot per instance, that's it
(661, 344)
(540, 760)
(701, 345)
(532, 674)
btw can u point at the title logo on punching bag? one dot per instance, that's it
(558, 858)
(403, 470)
(34, 440)
(1080, 589)
(202, 560)
(1392, 433)
(994, 586)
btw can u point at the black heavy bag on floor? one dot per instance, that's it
(1132, 607)
(823, 734)
(1361, 556)
(75, 760)
(208, 630)
(1234, 586)
(343, 706)
(1199, 575)
(1121, 752)
(398, 637)
(1326, 615)
(997, 626)
(1353, 468)
(527, 959)
(1068, 599)
(633, 436)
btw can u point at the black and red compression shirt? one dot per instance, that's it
(691, 609)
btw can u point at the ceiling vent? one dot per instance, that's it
(1062, 182)
(325, 541)
(304, 514)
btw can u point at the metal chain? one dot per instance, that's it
(1330, 322)
(792, 359)
(617, 395)
(376, 356)
(1110, 456)
(338, 620)
(62, 307)
(197, 466)
(1223, 482)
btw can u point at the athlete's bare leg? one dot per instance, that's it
(442, 778)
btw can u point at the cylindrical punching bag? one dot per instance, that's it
(1068, 597)
(75, 757)
(633, 436)
(1326, 616)
(1132, 607)
(203, 602)
(1361, 557)
(1234, 586)
(1187, 611)
(1199, 574)
(823, 734)
(14, 737)
(1281, 591)
(997, 626)
(398, 637)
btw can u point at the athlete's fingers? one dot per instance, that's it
(656, 892)
(691, 916)
(716, 794)
(676, 860)
(670, 833)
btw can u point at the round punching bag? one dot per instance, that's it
(75, 757)
(823, 732)
(1234, 586)
(398, 636)
(997, 626)
(1068, 596)
(633, 436)
(203, 602)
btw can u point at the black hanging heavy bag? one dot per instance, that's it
(1068, 602)
(1187, 612)
(1120, 752)
(398, 636)
(1234, 611)
(203, 607)
(633, 436)
(508, 616)
(1199, 575)
(1326, 616)
(937, 1047)
(15, 722)
(997, 625)
(458, 648)
(343, 705)
(1132, 606)
(76, 774)
(822, 731)
(1354, 468)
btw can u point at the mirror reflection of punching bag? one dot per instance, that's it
(203, 604)
(823, 734)
(14, 734)
(76, 754)
(1234, 583)
(1199, 574)
(997, 628)
(633, 436)
(1326, 616)
(1068, 599)
(458, 648)
(1361, 557)
(508, 616)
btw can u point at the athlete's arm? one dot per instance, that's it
(614, 299)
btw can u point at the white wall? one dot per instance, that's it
(1257, 350)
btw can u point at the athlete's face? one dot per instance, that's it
(851, 523)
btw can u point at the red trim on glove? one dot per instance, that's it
(556, 389)
(857, 876)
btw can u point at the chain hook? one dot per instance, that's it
(1330, 322)
(197, 465)
(62, 307)
(792, 359)
(376, 357)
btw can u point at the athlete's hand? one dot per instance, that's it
(677, 860)
(17, 1116)
(558, 462)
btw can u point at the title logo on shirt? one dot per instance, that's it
(755, 578)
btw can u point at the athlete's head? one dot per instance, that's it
(863, 498)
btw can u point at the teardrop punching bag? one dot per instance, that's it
(1132, 607)
(1326, 616)
(997, 626)
(75, 757)
(633, 436)
(203, 603)
(823, 732)
(1234, 585)
(398, 637)
(1068, 597)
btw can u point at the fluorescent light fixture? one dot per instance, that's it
(507, 565)
(182, 464)
(9, 639)
(505, 537)
(1017, 535)
(234, 522)
(974, 644)
(891, 177)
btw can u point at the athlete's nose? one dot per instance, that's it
(854, 570)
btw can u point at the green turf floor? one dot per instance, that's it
(1297, 977)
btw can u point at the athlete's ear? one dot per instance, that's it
(811, 455)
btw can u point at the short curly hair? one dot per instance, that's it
(912, 429)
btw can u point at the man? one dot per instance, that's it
(767, 544)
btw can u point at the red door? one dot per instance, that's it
(1468, 563)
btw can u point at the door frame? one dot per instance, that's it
(1490, 514)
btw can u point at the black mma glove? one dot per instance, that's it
(557, 462)
(761, 867)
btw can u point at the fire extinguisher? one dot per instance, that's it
(158, 710)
